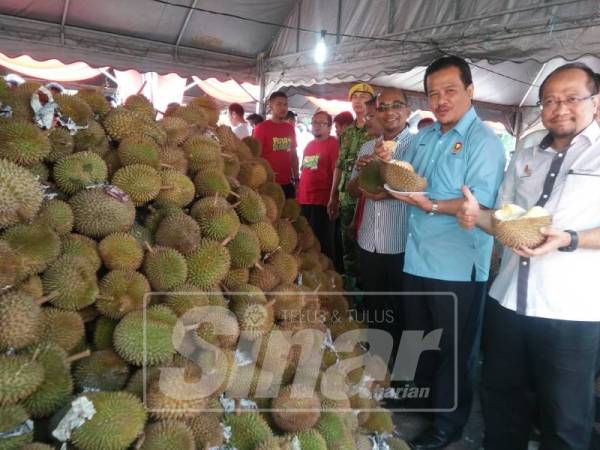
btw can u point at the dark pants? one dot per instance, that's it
(436, 369)
(538, 371)
(383, 273)
(323, 228)
(289, 190)
(349, 245)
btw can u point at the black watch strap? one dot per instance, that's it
(574, 242)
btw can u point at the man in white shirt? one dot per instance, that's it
(542, 327)
(240, 127)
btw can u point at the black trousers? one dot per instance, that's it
(289, 190)
(383, 273)
(460, 323)
(538, 371)
(323, 228)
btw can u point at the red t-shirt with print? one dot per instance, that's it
(316, 176)
(278, 141)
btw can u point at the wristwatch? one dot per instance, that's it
(434, 207)
(574, 242)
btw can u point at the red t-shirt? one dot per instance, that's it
(278, 142)
(318, 165)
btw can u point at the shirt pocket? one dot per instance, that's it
(582, 185)
(450, 173)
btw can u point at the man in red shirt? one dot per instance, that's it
(318, 165)
(278, 139)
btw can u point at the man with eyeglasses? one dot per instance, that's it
(340, 202)
(316, 177)
(382, 231)
(440, 256)
(542, 327)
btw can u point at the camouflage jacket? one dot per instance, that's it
(351, 141)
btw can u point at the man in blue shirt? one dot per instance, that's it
(440, 256)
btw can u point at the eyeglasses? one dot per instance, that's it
(570, 102)
(369, 116)
(383, 107)
(319, 124)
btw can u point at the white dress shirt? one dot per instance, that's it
(561, 285)
(242, 130)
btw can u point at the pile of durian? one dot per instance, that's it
(112, 238)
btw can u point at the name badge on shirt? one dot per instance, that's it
(282, 144)
(526, 171)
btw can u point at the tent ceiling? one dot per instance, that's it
(146, 35)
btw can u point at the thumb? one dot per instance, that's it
(468, 194)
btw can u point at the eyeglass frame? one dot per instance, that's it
(394, 105)
(570, 101)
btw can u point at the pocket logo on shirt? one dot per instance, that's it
(311, 162)
(526, 171)
(457, 148)
(282, 144)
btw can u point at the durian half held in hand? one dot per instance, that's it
(400, 176)
(514, 226)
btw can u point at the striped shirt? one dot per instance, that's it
(384, 224)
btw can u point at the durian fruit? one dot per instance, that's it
(140, 105)
(141, 234)
(514, 227)
(291, 209)
(215, 327)
(165, 268)
(284, 265)
(36, 446)
(20, 320)
(177, 129)
(289, 300)
(20, 376)
(208, 264)
(140, 182)
(178, 231)
(119, 419)
(248, 381)
(175, 395)
(167, 435)
(57, 215)
(311, 440)
(21, 194)
(268, 237)
(139, 150)
(37, 245)
(236, 278)
(75, 108)
(207, 430)
(244, 248)
(398, 444)
(263, 278)
(248, 430)
(275, 191)
(57, 387)
(209, 106)
(91, 139)
(273, 352)
(193, 116)
(181, 189)
(254, 145)
(252, 174)
(158, 211)
(22, 143)
(62, 328)
(140, 379)
(82, 246)
(185, 297)
(210, 182)
(129, 336)
(370, 178)
(288, 237)
(61, 144)
(120, 123)
(33, 286)
(103, 333)
(101, 211)
(217, 219)
(13, 267)
(379, 421)
(173, 158)
(401, 176)
(103, 370)
(121, 251)
(71, 282)
(40, 171)
(232, 165)
(202, 153)
(296, 408)
(75, 172)
(96, 101)
(122, 291)
(251, 207)
(113, 163)
(11, 418)
(334, 432)
(272, 210)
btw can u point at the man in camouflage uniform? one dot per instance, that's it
(341, 203)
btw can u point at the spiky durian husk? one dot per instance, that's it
(23, 143)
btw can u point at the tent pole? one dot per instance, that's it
(338, 27)
(108, 75)
(298, 23)
(391, 15)
(63, 21)
(539, 74)
(260, 105)
(184, 26)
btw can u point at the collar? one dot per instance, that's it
(591, 133)
(405, 130)
(463, 124)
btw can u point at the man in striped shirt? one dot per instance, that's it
(382, 233)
